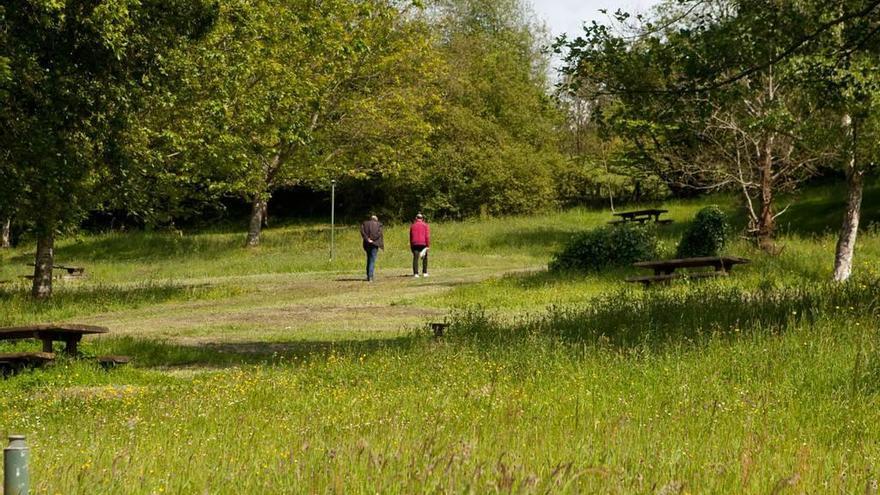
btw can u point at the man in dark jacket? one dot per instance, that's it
(371, 232)
(419, 242)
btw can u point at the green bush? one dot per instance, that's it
(607, 246)
(707, 234)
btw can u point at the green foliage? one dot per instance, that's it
(494, 146)
(607, 246)
(706, 235)
(65, 102)
(288, 93)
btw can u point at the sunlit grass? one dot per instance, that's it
(274, 371)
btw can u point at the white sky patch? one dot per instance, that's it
(567, 16)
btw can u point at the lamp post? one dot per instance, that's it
(332, 218)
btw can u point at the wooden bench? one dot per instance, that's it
(439, 329)
(70, 334)
(649, 279)
(108, 362)
(664, 270)
(13, 361)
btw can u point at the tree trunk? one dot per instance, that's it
(256, 224)
(846, 240)
(6, 234)
(766, 221)
(42, 288)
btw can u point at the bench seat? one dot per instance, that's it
(16, 360)
(112, 361)
(649, 279)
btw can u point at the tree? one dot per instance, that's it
(76, 70)
(851, 87)
(656, 89)
(292, 92)
(496, 145)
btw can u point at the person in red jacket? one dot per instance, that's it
(419, 243)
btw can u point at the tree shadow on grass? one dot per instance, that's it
(539, 241)
(146, 246)
(544, 278)
(18, 307)
(139, 246)
(533, 241)
(154, 353)
(821, 211)
(657, 318)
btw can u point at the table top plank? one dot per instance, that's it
(693, 262)
(36, 331)
(635, 213)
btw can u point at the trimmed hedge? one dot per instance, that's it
(606, 247)
(707, 234)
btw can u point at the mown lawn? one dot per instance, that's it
(276, 371)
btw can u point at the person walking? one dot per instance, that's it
(419, 244)
(371, 232)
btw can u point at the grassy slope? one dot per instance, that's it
(298, 379)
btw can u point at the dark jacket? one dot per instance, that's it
(372, 229)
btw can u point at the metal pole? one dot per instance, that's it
(332, 218)
(15, 467)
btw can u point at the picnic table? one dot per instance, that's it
(641, 216)
(73, 271)
(70, 334)
(665, 270)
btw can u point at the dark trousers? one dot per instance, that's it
(372, 254)
(415, 252)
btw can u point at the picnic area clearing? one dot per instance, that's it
(541, 382)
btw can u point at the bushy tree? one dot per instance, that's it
(608, 246)
(296, 92)
(75, 70)
(706, 235)
(659, 89)
(495, 147)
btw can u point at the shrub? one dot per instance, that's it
(607, 246)
(707, 234)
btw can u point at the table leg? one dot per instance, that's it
(70, 345)
(47, 344)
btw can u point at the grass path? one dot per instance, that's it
(289, 307)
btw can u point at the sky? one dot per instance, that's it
(567, 16)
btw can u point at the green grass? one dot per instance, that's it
(274, 371)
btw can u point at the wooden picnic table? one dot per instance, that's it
(664, 270)
(641, 216)
(70, 334)
(73, 271)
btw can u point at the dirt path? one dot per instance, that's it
(284, 307)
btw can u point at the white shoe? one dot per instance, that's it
(415, 275)
(424, 274)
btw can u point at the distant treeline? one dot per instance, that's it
(156, 112)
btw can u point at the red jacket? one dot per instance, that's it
(419, 234)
